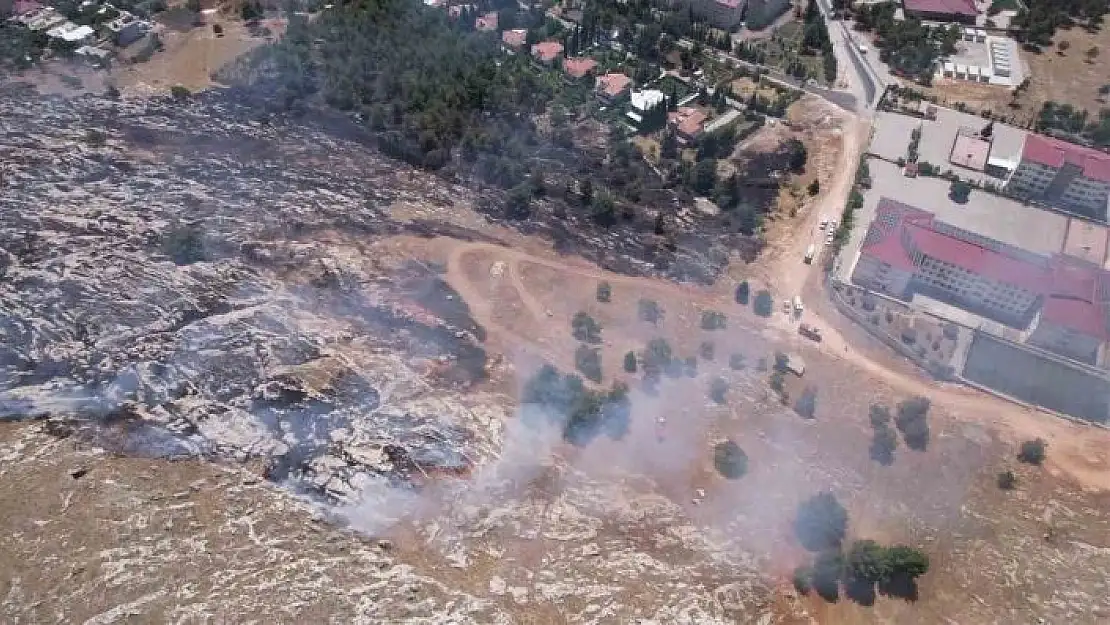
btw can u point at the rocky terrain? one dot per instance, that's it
(224, 399)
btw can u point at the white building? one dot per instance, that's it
(1062, 174)
(72, 34)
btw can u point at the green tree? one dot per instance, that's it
(588, 361)
(604, 292)
(907, 562)
(730, 460)
(821, 522)
(1033, 452)
(184, 244)
(868, 561)
(796, 155)
(763, 304)
(112, 92)
(806, 405)
(743, 291)
(630, 362)
(586, 192)
(814, 187)
(585, 328)
(518, 201)
(705, 176)
(657, 355)
(959, 191)
(828, 569)
(911, 421)
(736, 362)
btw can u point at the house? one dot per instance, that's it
(72, 34)
(579, 67)
(514, 40)
(612, 86)
(126, 29)
(43, 18)
(1065, 300)
(643, 104)
(959, 11)
(724, 14)
(687, 122)
(547, 52)
(1062, 174)
(487, 22)
(94, 55)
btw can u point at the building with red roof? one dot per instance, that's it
(514, 39)
(579, 67)
(687, 122)
(1063, 174)
(1065, 300)
(547, 52)
(962, 11)
(486, 22)
(612, 86)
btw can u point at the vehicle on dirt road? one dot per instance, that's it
(810, 332)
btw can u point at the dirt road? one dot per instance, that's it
(1079, 452)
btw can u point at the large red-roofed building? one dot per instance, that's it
(1063, 174)
(962, 11)
(906, 250)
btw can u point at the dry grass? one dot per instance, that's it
(190, 57)
(1069, 78)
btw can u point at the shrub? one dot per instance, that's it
(868, 561)
(821, 522)
(630, 362)
(718, 390)
(814, 187)
(959, 192)
(1007, 480)
(827, 571)
(736, 362)
(217, 29)
(730, 460)
(706, 351)
(764, 305)
(1033, 452)
(180, 93)
(657, 355)
(184, 244)
(712, 320)
(649, 311)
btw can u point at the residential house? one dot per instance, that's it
(579, 67)
(126, 29)
(688, 122)
(43, 18)
(514, 40)
(612, 86)
(1062, 174)
(547, 52)
(960, 11)
(72, 34)
(643, 104)
(487, 22)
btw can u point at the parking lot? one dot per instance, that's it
(893, 133)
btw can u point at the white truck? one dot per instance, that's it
(798, 305)
(810, 251)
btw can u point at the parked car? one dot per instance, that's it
(810, 332)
